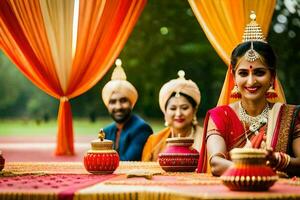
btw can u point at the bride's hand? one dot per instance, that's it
(271, 158)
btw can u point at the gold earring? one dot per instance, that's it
(271, 94)
(166, 124)
(235, 93)
(195, 121)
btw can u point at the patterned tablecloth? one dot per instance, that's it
(147, 181)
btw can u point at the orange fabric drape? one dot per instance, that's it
(223, 22)
(103, 29)
(101, 37)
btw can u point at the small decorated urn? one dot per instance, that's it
(179, 156)
(2, 161)
(101, 159)
(249, 171)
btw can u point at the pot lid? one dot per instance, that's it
(180, 141)
(101, 143)
(238, 153)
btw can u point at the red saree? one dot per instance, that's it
(283, 127)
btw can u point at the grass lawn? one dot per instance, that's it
(81, 127)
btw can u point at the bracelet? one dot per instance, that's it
(283, 160)
(219, 154)
(287, 160)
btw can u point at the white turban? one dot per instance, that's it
(119, 83)
(179, 85)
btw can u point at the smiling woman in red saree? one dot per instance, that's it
(280, 120)
(253, 121)
(283, 127)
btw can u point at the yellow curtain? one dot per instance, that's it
(223, 22)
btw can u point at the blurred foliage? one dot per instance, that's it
(285, 39)
(20, 98)
(167, 38)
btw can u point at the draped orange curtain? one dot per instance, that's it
(62, 56)
(223, 22)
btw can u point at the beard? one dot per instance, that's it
(121, 115)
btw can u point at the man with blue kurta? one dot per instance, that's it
(129, 132)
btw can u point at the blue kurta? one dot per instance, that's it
(132, 138)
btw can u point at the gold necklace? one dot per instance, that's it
(254, 122)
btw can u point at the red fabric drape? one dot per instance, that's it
(103, 29)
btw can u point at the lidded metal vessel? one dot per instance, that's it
(102, 158)
(249, 170)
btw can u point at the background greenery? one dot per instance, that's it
(82, 127)
(166, 38)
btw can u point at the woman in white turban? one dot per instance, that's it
(179, 100)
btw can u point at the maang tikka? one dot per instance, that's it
(252, 33)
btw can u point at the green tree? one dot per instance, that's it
(284, 38)
(12, 88)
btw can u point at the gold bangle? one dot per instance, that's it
(287, 161)
(283, 160)
(219, 154)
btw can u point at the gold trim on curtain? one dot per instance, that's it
(223, 22)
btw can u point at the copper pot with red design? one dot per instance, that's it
(102, 158)
(179, 155)
(249, 171)
(2, 161)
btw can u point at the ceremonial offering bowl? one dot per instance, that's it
(179, 156)
(249, 171)
(2, 161)
(101, 159)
